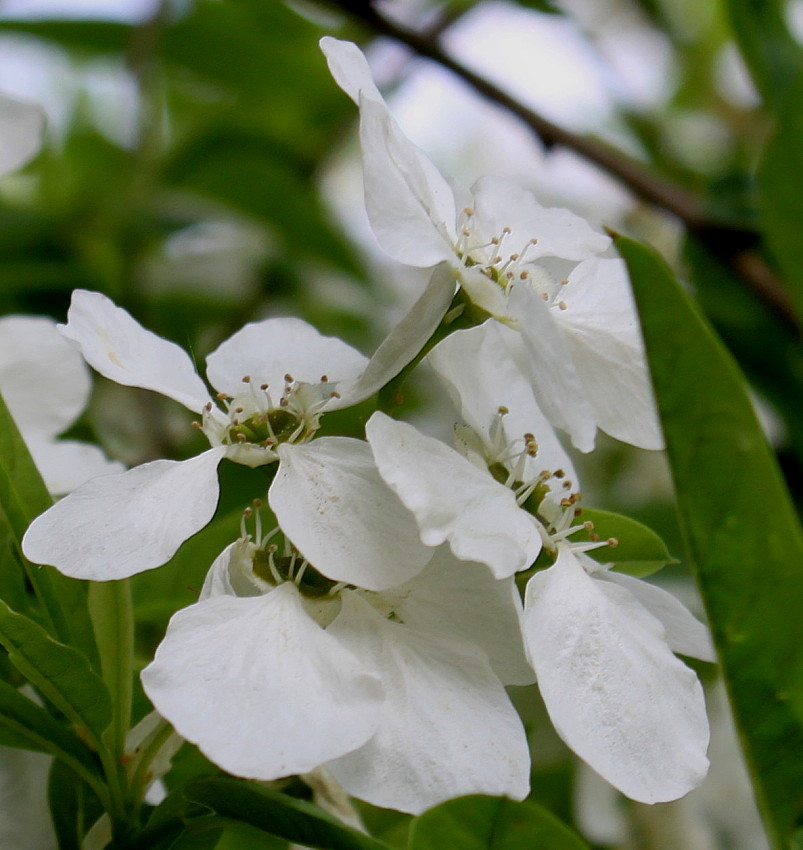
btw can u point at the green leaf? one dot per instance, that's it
(61, 673)
(72, 805)
(639, 550)
(742, 532)
(773, 57)
(780, 178)
(23, 496)
(491, 823)
(278, 814)
(34, 728)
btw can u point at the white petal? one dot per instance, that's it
(260, 687)
(447, 727)
(67, 464)
(117, 525)
(232, 573)
(557, 386)
(500, 203)
(481, 377)
(267, 351)
(21, 128)
(463, 600)
(43, 379)
(349, 68)
(452, 499)
(122, 350)
(410, 206)
(330, 501)
(613, 689)
(684, 632)
(601, 329)
(404, 342)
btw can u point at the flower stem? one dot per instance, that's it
(112, 614)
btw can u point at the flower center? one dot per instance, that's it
(257, 420)
(495, 260)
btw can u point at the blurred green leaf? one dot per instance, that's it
(773, 57)
(780, 180)
(743, 536)
(23, 496)
(639, 550)
(61, 673)
(491, 823)
(278, 815)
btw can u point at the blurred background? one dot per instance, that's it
(201, 168)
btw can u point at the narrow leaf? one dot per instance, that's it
(742, 533)
(491, 823)
(61, 673)
(279, 815)
(780, 177)
(773, 57)
(639, 551)
(31, 727)
(23, 496)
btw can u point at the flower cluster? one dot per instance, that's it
(373, 630)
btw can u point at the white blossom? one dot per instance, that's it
(273, 378)
(541, 272)
(601, 643)
(399, 694)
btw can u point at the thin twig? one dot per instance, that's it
(735, 246)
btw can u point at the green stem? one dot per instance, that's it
(112, 614)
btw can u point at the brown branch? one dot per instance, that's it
(735, 246)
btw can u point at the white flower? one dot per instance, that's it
(279, 669)
(274, 379)
(576, 335)
(46, 384)
(21, 129)
(601, 643)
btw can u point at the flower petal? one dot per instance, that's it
(21, 128)
(550, 369)
(462, 600)
(410, 205)
(452, 499)
(601, 330)
(330, 501)
(481, 378)
(684, 632)
(121, 349)
(260, 687)
(267, 351)
(447, 727)
(117, 525)
(500, 203)
(43, 379)
(404, 342)
(67, 464)
(613, 689)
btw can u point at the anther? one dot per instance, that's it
(263, 387)
(334, 394)
(468, 210)
(562, 305)
(502, 410)
(592, 535)
(246, 379)
(197, 425)
(257, 503)
(241, 438)
(533, 241)
(238, 409)
(559, 473)
(221, 396)
(613, 542)
(248, 513)
(324, 379)
(289, 378)
(545, 296)
(208, 406)
(524, 275)
(588, 525)
(564, 281)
